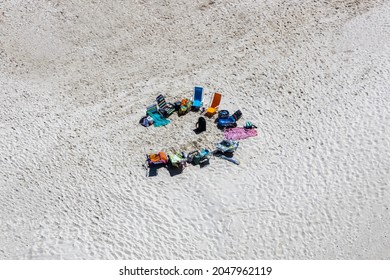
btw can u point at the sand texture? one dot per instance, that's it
(76, 77)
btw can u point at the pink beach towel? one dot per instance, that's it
(239, 133)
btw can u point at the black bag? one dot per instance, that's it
(201, 124)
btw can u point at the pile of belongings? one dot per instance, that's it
(184, 106)
(158, 159)
(227, 146)
(225, 150)
(146, 121)
(158, 119)
(176, 160)
(201, 157)
(226, 121)
(157, 114)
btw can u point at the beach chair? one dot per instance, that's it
(215, 101)
(197, 100)
(178, 160)
(154, 162)
(201, 157)
(158, 119)
(166, 109)
(159, 159)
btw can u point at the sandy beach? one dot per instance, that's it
(76, 77)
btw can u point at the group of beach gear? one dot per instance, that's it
(157, 114)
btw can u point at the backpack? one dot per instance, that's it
(201, 124)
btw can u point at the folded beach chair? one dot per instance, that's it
(166, 109)
(158, 159)
(215, 101)
(154, 162)
(178, 160)
(201, 157)
(226, 146)
(158, 119)
(197, 100)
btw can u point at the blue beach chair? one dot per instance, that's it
(197, 100)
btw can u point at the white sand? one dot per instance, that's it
(75, 78)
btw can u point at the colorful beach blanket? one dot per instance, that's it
(238, 133)
(158, 119)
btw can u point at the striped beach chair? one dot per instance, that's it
(166, 109)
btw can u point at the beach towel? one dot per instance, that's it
(239, 133)
(158, 120)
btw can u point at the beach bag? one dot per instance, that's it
(223, 114)
(249, 125)
(150, 120)
(201, 124)
(177, 105)
(184, 106)
(144, 121)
